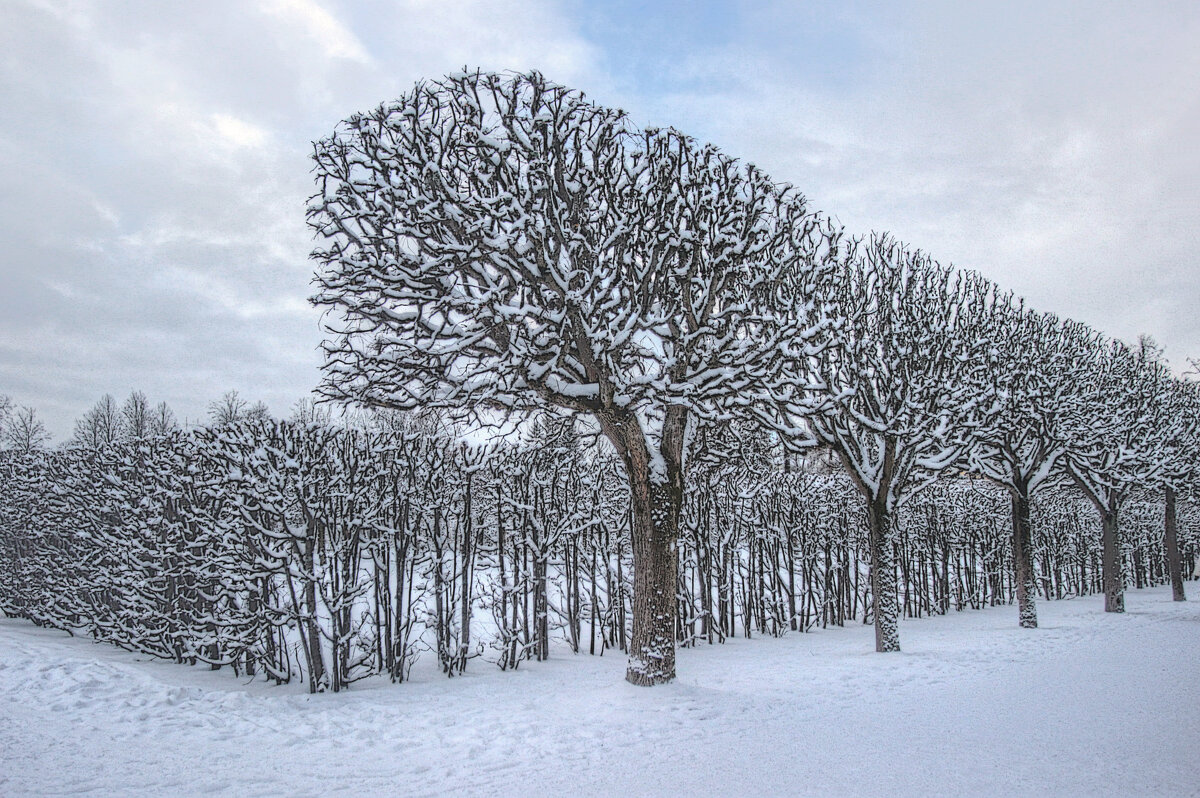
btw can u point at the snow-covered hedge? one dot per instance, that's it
(304, 551)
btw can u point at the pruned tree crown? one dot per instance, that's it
(500, 240)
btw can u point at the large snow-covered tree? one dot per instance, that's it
(905, 387)
(499, 241)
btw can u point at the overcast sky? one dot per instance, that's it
(154, 156)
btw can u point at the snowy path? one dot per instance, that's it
(1089, 704)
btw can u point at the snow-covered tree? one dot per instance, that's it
(1031, 382)
(329, 554)
(1181, 466)
(1115, 430)
(905, 387)
(497, 241)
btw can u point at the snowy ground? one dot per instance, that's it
(1089, 704)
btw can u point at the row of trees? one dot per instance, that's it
(498, 244)
(305, 551)
(134, 420)
(108, 421)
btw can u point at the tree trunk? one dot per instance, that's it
(1114, 583)
(655, 508)
(541, 610)
(316, 662)
(1174, 565)
(1022, 543)
(652, 649)
(464, 639)
(592, 605)
(883, 577)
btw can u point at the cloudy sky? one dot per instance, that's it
(154, 155)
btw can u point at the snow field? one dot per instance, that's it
(1088, 704)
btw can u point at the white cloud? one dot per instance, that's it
(239, 132)
(321, 26)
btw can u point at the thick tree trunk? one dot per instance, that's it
(655, 508)
(1114, 582)
(1022, 544)
(652, 649)
(1174, 564)
(883, 577)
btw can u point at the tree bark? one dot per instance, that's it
(883, 577)
(652, 648)
(1114, 583)
(1174, 565)
(464, 643)
(316, 662)
(541, 607)
(1022, 543)
(655, 508)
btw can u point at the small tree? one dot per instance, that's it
(25, 432)
(230, 408)
(136, 416)
(306, 411)
(99, 426)
(257, 413)
(6, 410)
(162, 420)
(498, 241)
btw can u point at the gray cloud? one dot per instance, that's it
(1049, 146)
(155, 168)
(154, 156)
